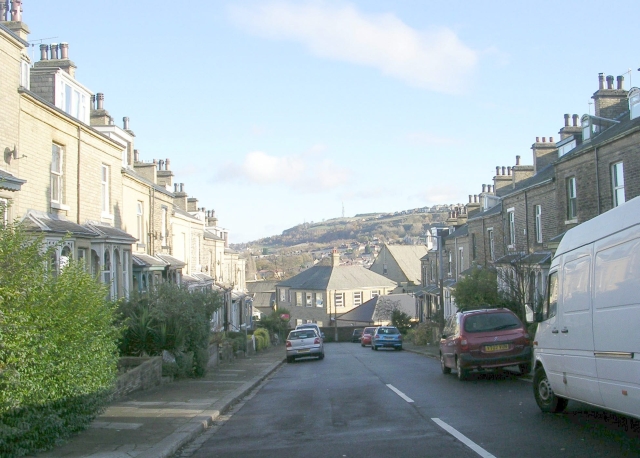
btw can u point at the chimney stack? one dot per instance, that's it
(125, 122)
(610, 103)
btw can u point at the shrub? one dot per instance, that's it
(58, 352)
(172, 318)
(262, 338)
(423, 334)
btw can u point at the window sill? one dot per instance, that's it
(571, 221)
(58, 206)
(105, 215)
(141, 245)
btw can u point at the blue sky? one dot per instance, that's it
(274, 113)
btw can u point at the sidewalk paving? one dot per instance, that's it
(158, 422)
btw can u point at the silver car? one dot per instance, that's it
(302, 343)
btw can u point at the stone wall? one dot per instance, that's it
(138, 373)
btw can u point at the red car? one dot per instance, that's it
(484, 339)
(367, 333)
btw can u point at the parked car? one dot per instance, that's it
(367, 333)
(484, 339)
(586, 346)
(311, 326)
(386, 337)
(355, 337)
(302, 343)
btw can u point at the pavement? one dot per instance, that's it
(156, 423)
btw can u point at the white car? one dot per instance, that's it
(311, 326)
(302, 343)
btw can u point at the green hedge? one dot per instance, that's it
(58, 352)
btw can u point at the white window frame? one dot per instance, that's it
(140, 222)
(492, 253)
(460, 260)
(4, 211)
(339, 299)
(357, 298)
(308, 302)
(617, 182)
(57, 177)
(319, 301)
(537, 209)
(105, 176)
(24, 74)
(298, 298)
(511, 215)
(572, 198)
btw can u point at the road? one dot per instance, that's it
(361, 403)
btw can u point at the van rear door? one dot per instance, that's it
(616, 318)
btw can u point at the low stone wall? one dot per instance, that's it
(138, 373)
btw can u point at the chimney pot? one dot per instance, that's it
(54, 51)
(100, 101)
(125, 122)
(160, 163)
(620, 82)
(475, 198)
(44, 52)
(167, 164)
(551, 139)
(517, 160)
(497, 170)
(93, 102)
(484, 188)
(64, 50)
(544, 139)
(16, 10)
(575, 120)
(537, 139)
(508, 170)
(470, 198)
(566, 119)
(175, 187)
(609, 82)
(155, 161)
(601, 80)
(181, 187)
(136, 155)
(504, 169)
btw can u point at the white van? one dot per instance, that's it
(587, 346)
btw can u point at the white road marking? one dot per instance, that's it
(464, 439)
(400, 393)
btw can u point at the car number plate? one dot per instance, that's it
(304, 350)
(498, 347)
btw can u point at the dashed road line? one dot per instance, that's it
(399, 393)
(464, 439)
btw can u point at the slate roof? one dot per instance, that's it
(112, 233)
(462, 231)
(495, 210)
(336, 278)
(544, 175)
(150, 183)
(408, 259)
(144, 260)
(211, 236)
(539, 257)
(376, 308)
(173, 262)
(10, 182)
(37, 221)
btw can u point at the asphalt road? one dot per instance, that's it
(361, 403)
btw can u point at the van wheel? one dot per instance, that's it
(443, 366)
(463, 374)
(545, 397)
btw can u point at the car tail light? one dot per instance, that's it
(464, 345)
(400, 337)
(288, 343)
(376, 336)
(316, 341)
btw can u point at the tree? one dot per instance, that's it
(277, 322)
(477, 290)
(401, 320)
(58, 351)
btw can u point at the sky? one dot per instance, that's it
(276, 113)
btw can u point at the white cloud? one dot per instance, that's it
(436, 59)
(308, 172)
